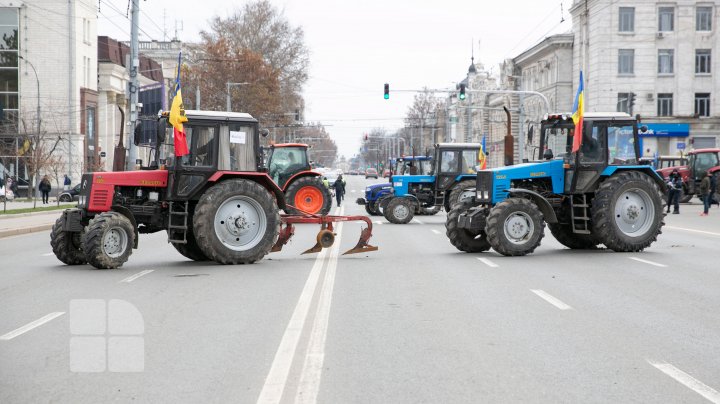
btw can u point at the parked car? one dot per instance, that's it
(371, 173)
(386, 174)
(70, 195)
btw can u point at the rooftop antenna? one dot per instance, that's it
(562, 13)
(176, 29)
(472, 51)
(165, 24)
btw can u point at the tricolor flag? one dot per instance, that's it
(577, 116)
(177, 116)
(482, 157)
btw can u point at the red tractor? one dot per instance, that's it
(289, 167)
(700, 161)
(216, 203)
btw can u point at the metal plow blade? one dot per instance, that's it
(362, 245)
(326, 237)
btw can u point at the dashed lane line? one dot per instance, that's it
(693, 230)
(688, 381)
(436, 231)
(30, 326)
(551, 299)
(488, 262)
(418, 221)
(137, 275)
(648, 262)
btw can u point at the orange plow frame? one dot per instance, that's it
(326, 236)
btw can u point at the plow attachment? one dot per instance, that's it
(326, 236)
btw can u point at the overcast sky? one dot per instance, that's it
(356, 46)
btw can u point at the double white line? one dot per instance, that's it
(309, 385)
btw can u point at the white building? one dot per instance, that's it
(656, 59)
(57, 39)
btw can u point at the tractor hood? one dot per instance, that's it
(502, 176)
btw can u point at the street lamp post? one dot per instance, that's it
(228, 84)
(37, 81)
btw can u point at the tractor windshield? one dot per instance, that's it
(284, 162)
(621, 143)
(414, 167)
(558, 139)
(701, 162)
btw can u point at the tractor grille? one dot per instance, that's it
(484, 186)
(100, 197)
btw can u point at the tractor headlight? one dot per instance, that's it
(82, 199)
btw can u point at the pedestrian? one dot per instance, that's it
(326, 182)
(13, 186)
(705, 193)
(339, 186)
(713, 190)
(45, 188)
(675, 186)
(66, 183)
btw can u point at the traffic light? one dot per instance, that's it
(387, 91)
(462, 91)
(631, 103)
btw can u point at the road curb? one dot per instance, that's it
(25, 230)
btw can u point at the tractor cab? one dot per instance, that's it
(286, 160)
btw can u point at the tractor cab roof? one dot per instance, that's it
(413, 158)
(596, 116)
(457, 145)
(214, 116)
(279, 145)
(701, 151)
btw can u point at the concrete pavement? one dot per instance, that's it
(22, 223)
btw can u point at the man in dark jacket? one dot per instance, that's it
(675, 184)
(705, 193)
(339, 186)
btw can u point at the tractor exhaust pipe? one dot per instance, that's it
(509, 143)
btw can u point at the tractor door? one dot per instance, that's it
(447, 168)
(192, 171)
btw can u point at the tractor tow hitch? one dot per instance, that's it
(326, 236)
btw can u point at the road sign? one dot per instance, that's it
(681, 145)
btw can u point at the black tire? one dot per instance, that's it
(191, 249)
(464, 239)
(315, 182)
(563, 233)
(524, 223)
(108, 240)
(246, 201)
(65, 198)
(382, 203)
(684, 196)
(371, 208)
(66, 245)
(430, 211)
(457, 190)
(399, 211)
(642, 207)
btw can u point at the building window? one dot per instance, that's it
(665, 61)
(702, 104)
(703, 18)
(702, 61)
(626, 61)
(627, 19)
(664, 104)
(666, 19)
(623, 102)
(9, 77)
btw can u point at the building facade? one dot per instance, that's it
(656, 59)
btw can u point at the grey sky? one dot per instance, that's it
(356, 46)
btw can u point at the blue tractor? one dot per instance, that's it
(599, 194)
(449, 180)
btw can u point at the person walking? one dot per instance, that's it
(705, 193)
(66, 183)
(45, 188)
(675, 186)
(339, 186)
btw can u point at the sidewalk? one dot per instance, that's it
(22, 223)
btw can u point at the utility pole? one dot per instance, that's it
(71, 83)
(133, 85)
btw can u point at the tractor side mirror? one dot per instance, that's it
(530, 134)
(264, 132)
(548, 154)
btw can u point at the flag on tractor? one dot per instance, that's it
(482, 157)
(177, 116)
(577, 116)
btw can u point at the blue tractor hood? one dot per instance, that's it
(553, 169)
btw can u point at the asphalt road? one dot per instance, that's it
(416, 321)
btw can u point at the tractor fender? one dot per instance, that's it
(298, 175)
(261, 178)
(655, 175)
(542, 203)
(127, 213)
(412, 198)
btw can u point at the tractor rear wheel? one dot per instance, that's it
(563, 233)
(399, 211)
(108, 240)
(430, 211)
(464, 239)
(236, 222)
(685, 197)
(67, 245)
(460, 193)
(309, 194)
(515, 226)
(627, 212)
(191, 249)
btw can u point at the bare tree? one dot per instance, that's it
(421, 117)
(56, 166)
(37, 150)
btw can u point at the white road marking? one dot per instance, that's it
(34, 324)
(137, 275)
(551, 299)
(417, 221)
(378, 222)
(688, 381)
(648, 262)
(48, 254)
(693, 230)
(353, 191)
(277, 377)
(311, 374)
(436, 231)
(488, 262)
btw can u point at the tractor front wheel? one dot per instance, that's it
(309, 194)
(460, 192)
(464, 239)
(108, 240)
(515, 226)
(627, 212)
(371, 208)
(67, 245)
(236, 222)
(399, 211)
